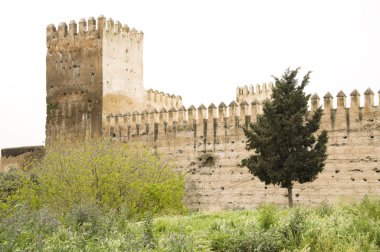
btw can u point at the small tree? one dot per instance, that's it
(283, 138)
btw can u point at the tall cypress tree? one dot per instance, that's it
(286, 147)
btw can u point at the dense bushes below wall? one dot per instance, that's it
(354, 227)
(110, 176)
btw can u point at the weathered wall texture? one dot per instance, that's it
(208, 145)
(74, 80)
(122, 69)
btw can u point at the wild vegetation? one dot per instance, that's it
(110, 176)
(354, 227)
(103, 196)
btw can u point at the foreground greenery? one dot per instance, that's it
(110, 176)
(354, 227)
(103, 196)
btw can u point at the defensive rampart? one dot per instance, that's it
(208, 145)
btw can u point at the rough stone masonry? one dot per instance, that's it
(94, 85)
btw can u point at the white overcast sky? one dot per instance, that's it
(200, 50)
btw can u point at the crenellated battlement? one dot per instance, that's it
(158, 100)
(258, 93)
(91, 26)
(240, 115)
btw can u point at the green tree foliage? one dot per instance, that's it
(283, 138)
(106, 174)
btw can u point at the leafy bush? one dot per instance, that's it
(26, 229)
(10, 184)
(148, 238)
(110, 175)
(267, 216)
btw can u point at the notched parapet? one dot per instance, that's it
(237, 115)
(260, 92)
(158, 100)
(344, 117)
(91, 26)
(84, 26)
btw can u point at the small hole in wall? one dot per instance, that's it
(372, 137)
(364, 179)
(266, 187)
(345, 137)
(297, 195)
(337, 171)
(64, 93)
(210, 161)
(222, 187)
(352, 179)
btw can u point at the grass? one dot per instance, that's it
(345, 227)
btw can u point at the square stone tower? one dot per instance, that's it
(92, 69)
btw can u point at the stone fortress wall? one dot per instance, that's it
(208, 144)
(94, 85)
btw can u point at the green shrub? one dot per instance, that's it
(178, 243)
(11, 183)
(148, 238)
(239, 240)
(110, 175)
(267, 216)
(293, 229)
(26, 229)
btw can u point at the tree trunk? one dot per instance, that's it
(290, 195)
